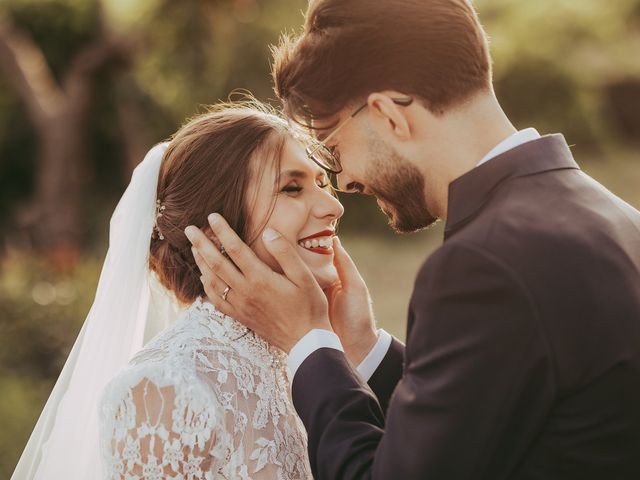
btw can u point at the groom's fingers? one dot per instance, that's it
(287, 256)
(210, 258)
(347, 270)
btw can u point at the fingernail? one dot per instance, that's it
(269, 235)
(189, 232)
(213, 218)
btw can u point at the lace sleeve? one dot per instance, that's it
(156, 432)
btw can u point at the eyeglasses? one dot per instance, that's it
(324, 156)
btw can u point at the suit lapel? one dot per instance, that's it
(468, 193)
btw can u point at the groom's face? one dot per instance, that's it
(398, 186)
(373, 164)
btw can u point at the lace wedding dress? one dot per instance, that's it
(205, 399)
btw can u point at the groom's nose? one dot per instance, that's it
(347, 184)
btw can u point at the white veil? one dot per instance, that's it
(127, 311)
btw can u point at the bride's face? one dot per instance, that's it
(304, 211)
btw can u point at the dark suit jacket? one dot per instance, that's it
(523, 341)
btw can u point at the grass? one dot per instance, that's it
(21, 401)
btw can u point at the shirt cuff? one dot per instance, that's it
(312, 341)
(374, 358)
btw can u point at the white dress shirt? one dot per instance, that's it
(318, 338)
(519, 138)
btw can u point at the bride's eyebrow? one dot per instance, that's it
(293, 174)
(300, 174)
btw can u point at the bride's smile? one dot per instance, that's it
(320, 242)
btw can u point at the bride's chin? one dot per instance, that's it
(326, 276)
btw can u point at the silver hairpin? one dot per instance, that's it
(160, 208)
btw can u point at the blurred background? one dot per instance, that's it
(87, 87)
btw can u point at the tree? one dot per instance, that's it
(58, 110)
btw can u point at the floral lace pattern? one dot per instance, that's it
(205, 399)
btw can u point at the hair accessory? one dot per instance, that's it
(160, 208)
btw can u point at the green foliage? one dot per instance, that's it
(555, 62)
(17, 155)
(21, 401)
(540, 93)
(185, 55)
(39, 310)
(59, 27)
(555, 59)
(197, 51)
(42, 312)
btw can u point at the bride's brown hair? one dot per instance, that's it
(208, 167)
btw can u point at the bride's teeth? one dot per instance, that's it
(318, 242)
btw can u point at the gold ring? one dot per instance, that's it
(225, 293)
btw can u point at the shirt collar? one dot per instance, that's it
(513, 141)
(468, 193)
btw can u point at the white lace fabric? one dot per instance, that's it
(205, 399)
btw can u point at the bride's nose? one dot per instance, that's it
(326, 205)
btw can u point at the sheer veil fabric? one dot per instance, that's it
(127, 311)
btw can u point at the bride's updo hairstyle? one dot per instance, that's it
(208, 166)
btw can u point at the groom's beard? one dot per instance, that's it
(399, 187)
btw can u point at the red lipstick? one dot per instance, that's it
(323, 233)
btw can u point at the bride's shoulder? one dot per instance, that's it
(180, 353)
(191, 331)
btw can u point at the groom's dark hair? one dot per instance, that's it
(434, 50)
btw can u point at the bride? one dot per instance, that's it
(159, 384)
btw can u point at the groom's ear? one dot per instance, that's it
(389, 117)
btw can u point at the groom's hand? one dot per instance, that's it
(279, 308)
(350, 309)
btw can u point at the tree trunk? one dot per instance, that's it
(51, 217)
(60, 117)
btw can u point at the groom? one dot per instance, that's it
(523, 342)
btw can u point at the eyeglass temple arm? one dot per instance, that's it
(404, 102)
